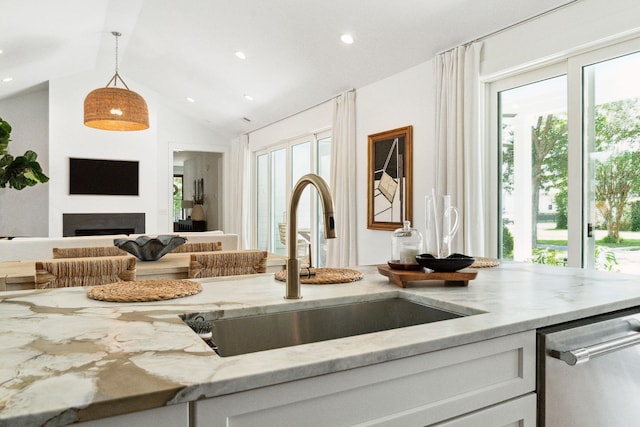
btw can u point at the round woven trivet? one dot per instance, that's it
(324, 276)
(485, 262)
(144, 290)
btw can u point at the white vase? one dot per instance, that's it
(197, 213)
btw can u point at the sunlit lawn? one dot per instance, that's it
(553, 242)
(622, 244)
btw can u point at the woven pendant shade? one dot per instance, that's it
(112, 108)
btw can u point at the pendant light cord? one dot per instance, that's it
(116, 35)
(117, 76)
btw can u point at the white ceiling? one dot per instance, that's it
(295, 58)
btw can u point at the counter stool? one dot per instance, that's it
(69, 272)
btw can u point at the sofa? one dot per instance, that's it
(41, 248)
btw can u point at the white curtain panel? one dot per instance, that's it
(342, 251)
(238, 206)
(459, 152)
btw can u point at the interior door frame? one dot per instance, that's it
(179, 146)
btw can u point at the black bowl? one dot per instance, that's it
(146, 248)
(453, 262)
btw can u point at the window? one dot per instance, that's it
(277, 171)
(568, 139)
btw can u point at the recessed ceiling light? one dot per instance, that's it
(241, 55)
(7, 79)
(0, 51)
(248, 97)
(346, 38)
(190, 99)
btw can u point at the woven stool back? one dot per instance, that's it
(63, 273)
(227, 263)
(198, 247)
(95, 251)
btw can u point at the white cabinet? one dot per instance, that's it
(430, 388)
(166, 416)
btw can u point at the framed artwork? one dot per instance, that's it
(390, 192)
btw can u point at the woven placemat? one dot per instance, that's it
(485, 262)
(325, 276)
(144, 290)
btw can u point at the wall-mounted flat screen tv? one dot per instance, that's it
(105, 177)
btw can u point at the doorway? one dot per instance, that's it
(205, 167)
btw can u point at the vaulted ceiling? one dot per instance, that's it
(186, 49)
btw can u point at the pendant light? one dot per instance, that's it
(114, 108)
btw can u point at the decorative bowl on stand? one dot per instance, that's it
(147, 248)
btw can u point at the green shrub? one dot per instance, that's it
(562, 201)
(548, 256)
(605, 259)
(507, 243)
(635, 216)
(609, 239)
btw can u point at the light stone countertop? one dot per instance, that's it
(65, 357)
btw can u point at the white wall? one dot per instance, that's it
(407, 98)
(401, 100)
(178, 132)
(152, 148)
(69, 137)
(25, 212)
(309, 121)
(555, 35)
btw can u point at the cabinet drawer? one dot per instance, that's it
(418, 390)
(520, 412)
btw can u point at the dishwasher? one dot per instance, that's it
(588, 372)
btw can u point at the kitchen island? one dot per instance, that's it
(65, 358)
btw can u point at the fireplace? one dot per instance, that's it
(96, 224)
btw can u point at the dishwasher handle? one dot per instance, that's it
(584, 354)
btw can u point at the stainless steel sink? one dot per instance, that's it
(240, 335)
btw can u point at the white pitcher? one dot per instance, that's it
(441, 225)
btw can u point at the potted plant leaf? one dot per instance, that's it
(17, 172)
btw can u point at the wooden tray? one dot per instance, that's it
(401, 277)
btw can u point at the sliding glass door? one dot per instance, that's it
(611, 134)
(567, 140)
(277, 171)
(533, 141)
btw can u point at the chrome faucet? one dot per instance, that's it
(293, 265)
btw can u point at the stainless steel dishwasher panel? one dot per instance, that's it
(589, 372)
